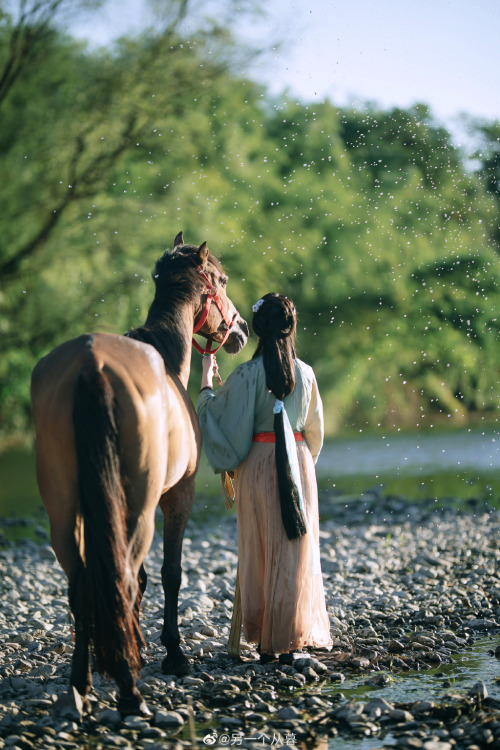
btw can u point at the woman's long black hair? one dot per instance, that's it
(275, 323)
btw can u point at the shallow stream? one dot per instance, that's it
(459, 464)
(476, 664)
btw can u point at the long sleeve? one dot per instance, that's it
(227, 418)
(314, 425)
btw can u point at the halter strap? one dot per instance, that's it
(212, 296)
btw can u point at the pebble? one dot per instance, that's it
(407, 586)
(170, 719)
(289, 712)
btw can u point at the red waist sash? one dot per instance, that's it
(270, 437)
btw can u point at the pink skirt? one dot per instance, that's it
(283, 604)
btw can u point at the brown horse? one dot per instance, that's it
(116, 434)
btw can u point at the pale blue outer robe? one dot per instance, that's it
(243, 405)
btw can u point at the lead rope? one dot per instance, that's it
(217, 376)
(226, 481)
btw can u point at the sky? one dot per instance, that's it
(445, 53)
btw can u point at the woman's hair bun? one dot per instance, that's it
(274, 316)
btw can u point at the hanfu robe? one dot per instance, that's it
(282, 596)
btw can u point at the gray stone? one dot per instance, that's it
(337, 677)
(378, 704)
(289, 712)
(109, 716)
(399, 715)
(479, 690)
(409, 743)
(168, 719)
(481, 624)
(70, 705)
(135, 722)
(350, 712)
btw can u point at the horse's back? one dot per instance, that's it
(134, 371)
(157, 430)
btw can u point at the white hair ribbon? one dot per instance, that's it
(291, 449)
(257, 305)
(278, 406)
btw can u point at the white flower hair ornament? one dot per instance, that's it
(257, 305)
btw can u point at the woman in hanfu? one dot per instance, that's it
(265, 424)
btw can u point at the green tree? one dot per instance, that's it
(93, 147)
(488, 155)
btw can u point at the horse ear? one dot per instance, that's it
(203, 253)
(179, 240)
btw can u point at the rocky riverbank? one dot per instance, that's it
(408, 587)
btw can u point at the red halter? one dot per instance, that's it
(212, 296)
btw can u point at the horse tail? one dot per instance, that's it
(108, 588)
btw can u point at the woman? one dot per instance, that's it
(246, 425)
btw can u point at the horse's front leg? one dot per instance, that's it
(176, 505)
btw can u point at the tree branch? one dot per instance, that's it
(83, 183)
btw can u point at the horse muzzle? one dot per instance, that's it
(238, 337)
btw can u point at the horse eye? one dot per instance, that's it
(223, 281)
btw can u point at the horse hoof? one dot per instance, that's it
(72, 705)
(178, 667)
(133, 706)
(144, 710)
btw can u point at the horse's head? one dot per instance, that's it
(216, 318)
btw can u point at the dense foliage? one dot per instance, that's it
(383, 233)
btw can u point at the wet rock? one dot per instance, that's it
(70, 705)
(168, 719)
(395, 647)
(378, 706)
(337, 677)
(422, 707)
(360, 662)
(289, 712)
(294, 681)
(135, 722)
(409, 743)
(400, 715)
(109, 717)
(350, 712)
(479, 690)
(482, 624)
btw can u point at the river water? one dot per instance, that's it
(474, 665)
(462, 464)
(441, 464)
(414, 453)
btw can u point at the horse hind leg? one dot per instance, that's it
(142, 580)
(112, 625)
(130, 700)
(81, 676)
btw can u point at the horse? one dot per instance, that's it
(116, 435)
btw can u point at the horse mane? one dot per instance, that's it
(177, 283)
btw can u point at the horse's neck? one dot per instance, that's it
(171, 335)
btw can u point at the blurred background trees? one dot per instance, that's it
(384, 234)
